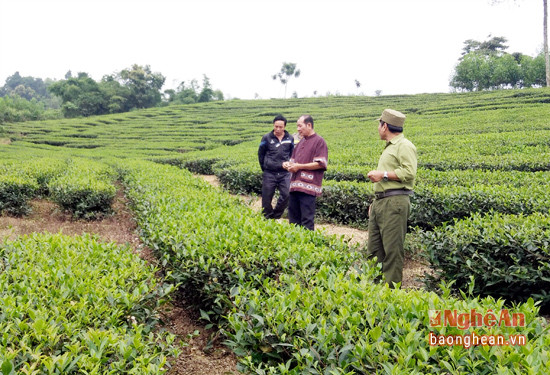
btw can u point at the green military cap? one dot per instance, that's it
(393, 117)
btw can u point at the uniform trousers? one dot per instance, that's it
(387, 230)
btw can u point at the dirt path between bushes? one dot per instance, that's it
(412, 269)
(199, 356)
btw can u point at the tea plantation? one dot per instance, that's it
(289, 301)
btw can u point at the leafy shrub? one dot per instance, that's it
(44, 170)
(241, 179)
(433, 205)
(345, 203)
(507, 256)
(329, 322)
(75, 305)
(85, 189)
(14, 108)
(199, 165)
(15, 193)
(347, 173)
(85, 198)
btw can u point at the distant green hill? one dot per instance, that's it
(491, 130)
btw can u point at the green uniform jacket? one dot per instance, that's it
(398, 156)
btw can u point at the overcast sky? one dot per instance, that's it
(396, 46)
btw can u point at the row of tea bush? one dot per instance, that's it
(80, 186)
(75, 305)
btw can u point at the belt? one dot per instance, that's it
(392, 192)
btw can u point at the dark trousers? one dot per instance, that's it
(301, 209)
(387, 229)
(275, 181)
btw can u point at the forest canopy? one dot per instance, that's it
(487, 66)
(137, 87)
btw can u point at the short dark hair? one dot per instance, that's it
(394, 129)
(391, 128)
(308, 119)
(279, 118)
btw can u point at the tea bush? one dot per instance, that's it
(507, 256)
(329, 322)
(199, 166)
(345, 202)
(75, 305)
(15, 193)
(441, 200)
(85, 189)
(44, 170)
(432, 205)
(241, 179)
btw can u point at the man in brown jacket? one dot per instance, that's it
(307, 165)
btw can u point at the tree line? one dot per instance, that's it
(29, 98)
(483, 66)
(487, 66)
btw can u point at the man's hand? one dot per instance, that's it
(291, 167)
(294, 168)
(375, 176)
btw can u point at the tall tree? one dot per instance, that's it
(14, 109)
(206, 93)
(186, 94)
(192, 93)
(288, 70)
(26, 87)
(494, 46)
(357, 84)
(116, 95)
(143, 84)
(81, 96)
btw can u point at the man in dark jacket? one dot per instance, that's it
(275, 148)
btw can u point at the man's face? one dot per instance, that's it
(279, 128)
(303, 129)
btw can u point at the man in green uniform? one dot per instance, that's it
(394, 182)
